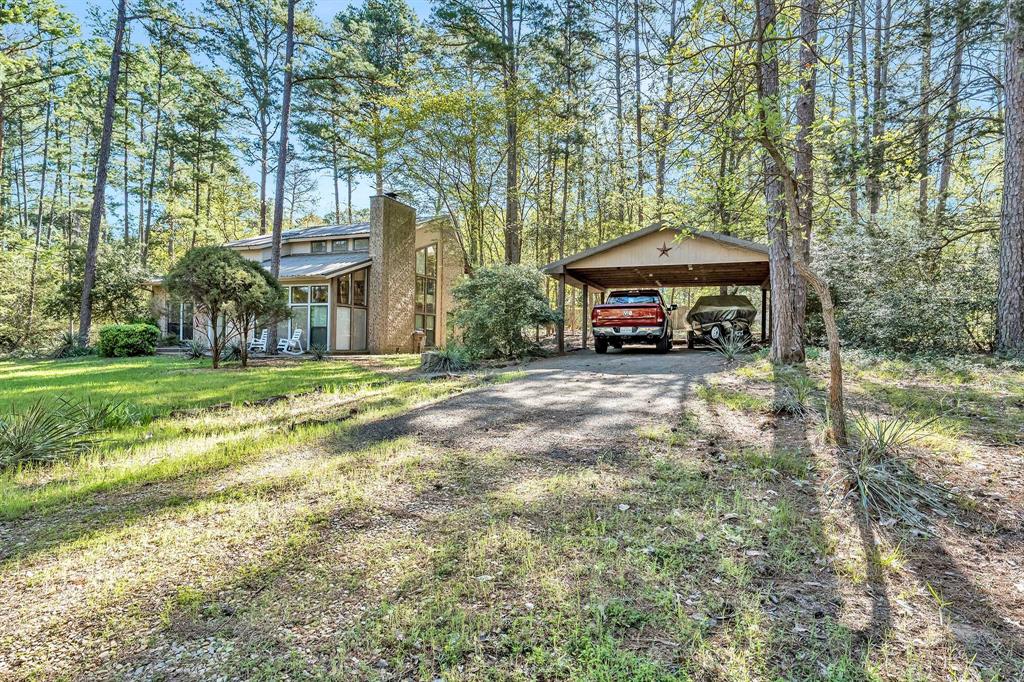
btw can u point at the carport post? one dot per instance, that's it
(586, 316)
(764, 311)
(560, 329)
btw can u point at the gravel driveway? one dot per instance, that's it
(580, 405)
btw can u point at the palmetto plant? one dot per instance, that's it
(877, 437)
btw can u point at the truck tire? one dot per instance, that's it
(716, 334)
(664, 345)
(601, 346)
(690, 343)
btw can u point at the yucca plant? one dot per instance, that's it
(446, 360)
(878, 437)
(232, 352)
(795, 392)
(70, 346)
(731, 346)
(100, 414)
(43, 433)
(886, 487)
(319, 351)
(195, 350)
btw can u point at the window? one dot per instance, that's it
(310, 313)
(362, 244)
(340, 246)
(350, 313)
(318, 247)
(426, 293)
(359, 288)
(180, 319)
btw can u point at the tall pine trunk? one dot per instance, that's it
(100, 186)
(513, 230)
(1010, 297)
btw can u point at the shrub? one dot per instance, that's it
(319, 351)
(228, 288)
(495, 307)
(128, 340)
(453, 358)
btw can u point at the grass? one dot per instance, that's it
(158, 385)
(270, 542)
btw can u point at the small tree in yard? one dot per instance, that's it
(262, 300)
(215, 279)
(496, 306)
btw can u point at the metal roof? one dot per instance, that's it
(319, 265)
(304, 233)
(559, 265)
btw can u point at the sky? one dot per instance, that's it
(325, 10)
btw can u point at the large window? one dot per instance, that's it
(350, 313)
(318, 247)
(180, 319)
(361, 244)
(340, 246)
(310, 313)
(426, 293)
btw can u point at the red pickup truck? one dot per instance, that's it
(634, 316)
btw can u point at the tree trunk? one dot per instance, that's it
(99, 188)
(144, 251)
(639, 118)
(952, 110)
(128, 40)
(924, 132)
(282, 150)
(852, 83)
(39, 210)
(1010, 297)
(513, 230)
(619, 113)
(787, 335)
(666, 113)
(803, 159)
(836, 408)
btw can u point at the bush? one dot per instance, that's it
(496, 306)
(128, 340)
(901, 291)
(233, 351)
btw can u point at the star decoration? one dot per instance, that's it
(663, 250)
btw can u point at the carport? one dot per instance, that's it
(658, 257)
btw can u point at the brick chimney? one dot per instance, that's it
(392, 283)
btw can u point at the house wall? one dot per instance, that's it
(451, 266)
(647, 250)
(392, 285)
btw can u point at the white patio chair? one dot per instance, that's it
(291, 346)
(259, 344)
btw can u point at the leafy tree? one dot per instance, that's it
(261, 300)
(495, 308)
(118, 293)
(214, 278)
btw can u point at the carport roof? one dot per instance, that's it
(659, 256)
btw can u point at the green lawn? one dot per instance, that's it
(159, 384)
(275, 542)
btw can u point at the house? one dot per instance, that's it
(377, 287)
